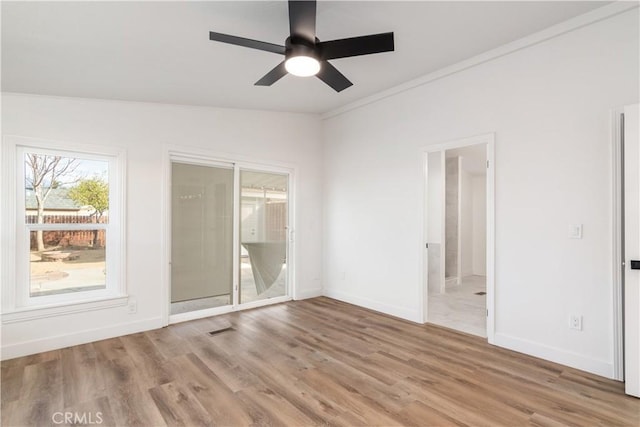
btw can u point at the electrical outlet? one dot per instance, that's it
(575, 322)
(132, 307)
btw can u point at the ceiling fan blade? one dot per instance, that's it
(241, 41)
(355, 46)
(302, 19)
(334, 78)
(272, 76)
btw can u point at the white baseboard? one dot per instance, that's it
(309, 293)
(450, 281)
(26, 348)
(392, 310)
(557, 355)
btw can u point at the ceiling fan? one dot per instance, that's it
(304, 54)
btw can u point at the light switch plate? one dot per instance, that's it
(575, 231)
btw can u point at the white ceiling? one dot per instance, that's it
(160, 51)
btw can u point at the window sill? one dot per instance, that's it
(40, 312)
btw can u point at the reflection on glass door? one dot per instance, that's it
(263, 235)
(201, 237)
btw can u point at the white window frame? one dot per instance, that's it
(18, 304)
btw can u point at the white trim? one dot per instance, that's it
(235, 259)
(67, 340)
(489, 140)
(424, 242)
(412, 315)
(216, 311)
(15, 283)
(165, 266)
(459, 225)
(556, 355)
(580, 21)
(199, 314)
(451, 144)
(424, 260)
(68, 146)
(617, 339)
(292, 291)
(198, 156)
(308, 293)
(263, 302)
(443, 228)
(40, 312)
(8, 214)
(491, 239)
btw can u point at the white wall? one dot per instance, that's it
(479, 225)
(452, 218)
(435, 196)
(466, 221)
(142, 129)
(435, 182)
(549, 105)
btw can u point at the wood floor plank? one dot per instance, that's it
(130, 402)
(544, 421)
(33, 359)
(11, 380)
(234, 376)
(81, 378)
(350, 400)
(274, 406)
(312, 362)
(41, 394)
(179, 406)
(212, 392)
(169, 343)
(151, 366)
(110, 349)
(419, 414)
(92, 412)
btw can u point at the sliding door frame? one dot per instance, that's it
(178, 154)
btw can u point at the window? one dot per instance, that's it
(69, 229)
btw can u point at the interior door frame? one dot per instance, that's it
(617, 240)
(202, 157)
(489, 140)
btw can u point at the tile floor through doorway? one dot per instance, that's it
(460, 307)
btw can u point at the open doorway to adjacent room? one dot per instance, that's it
(459, 198)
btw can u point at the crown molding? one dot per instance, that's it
(572, 24)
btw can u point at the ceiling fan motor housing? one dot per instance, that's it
(298, 46)
(307, 56)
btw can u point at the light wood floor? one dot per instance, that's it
(313, 362)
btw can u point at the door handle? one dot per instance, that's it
(635, 264)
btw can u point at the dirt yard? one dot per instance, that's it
(85, 269)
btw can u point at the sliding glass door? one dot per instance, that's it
(263, 235)
(229, 237)
(202, 237)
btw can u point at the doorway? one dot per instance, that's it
(627, 247)
(458, 233)
(229, 237)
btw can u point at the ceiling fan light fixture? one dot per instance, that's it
(302, 66)
(304, 54)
